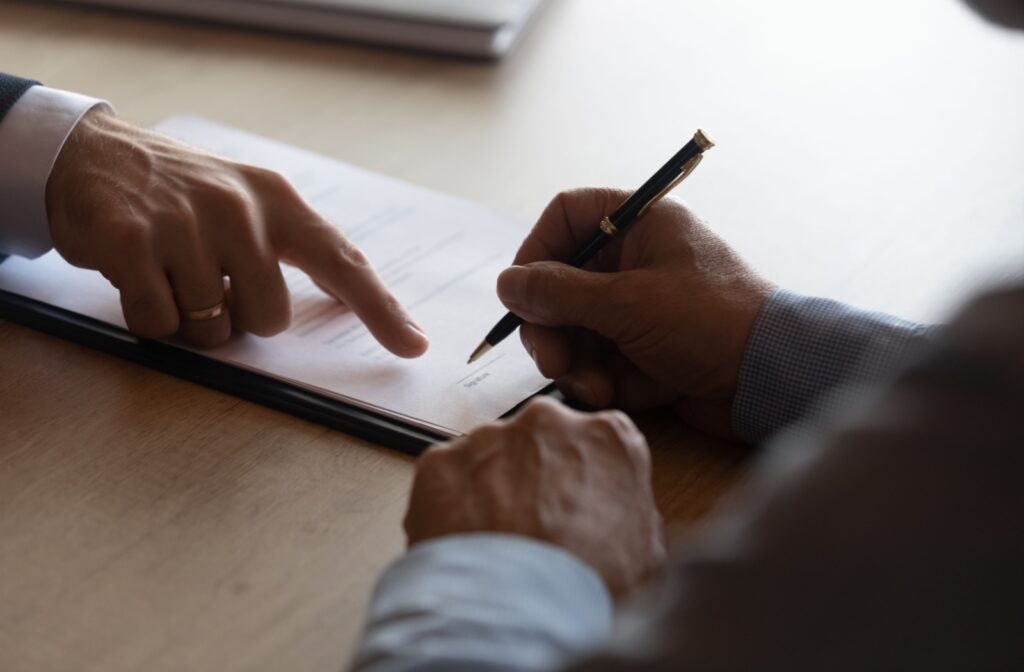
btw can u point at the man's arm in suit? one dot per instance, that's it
(479, 601)
(166, 222)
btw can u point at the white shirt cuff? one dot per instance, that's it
(31, 137)
(484, 601)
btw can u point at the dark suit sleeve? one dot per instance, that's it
(891, 538)
(11, 89)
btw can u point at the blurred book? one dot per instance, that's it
(480, 28)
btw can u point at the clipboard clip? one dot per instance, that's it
(684, 172)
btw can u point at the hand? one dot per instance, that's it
(165, 223)
(579, 481)
(660, 317)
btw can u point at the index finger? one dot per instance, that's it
(339, 267)
(570, 219)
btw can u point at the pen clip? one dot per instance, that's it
(683, 174)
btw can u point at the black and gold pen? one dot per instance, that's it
(672, 173)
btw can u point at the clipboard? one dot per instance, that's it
(234, 380)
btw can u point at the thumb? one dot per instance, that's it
(553, 294)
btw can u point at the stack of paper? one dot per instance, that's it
(486, 28)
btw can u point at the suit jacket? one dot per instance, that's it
(11, 89)
(890, 537)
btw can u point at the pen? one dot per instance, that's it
(668, 176)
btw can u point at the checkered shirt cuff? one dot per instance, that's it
(802, 347)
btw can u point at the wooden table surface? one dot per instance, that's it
(870, 151)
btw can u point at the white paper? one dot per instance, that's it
(439, 255)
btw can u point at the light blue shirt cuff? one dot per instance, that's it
(484, 602)
(804, 347)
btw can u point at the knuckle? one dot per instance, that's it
(540, 414)
(487, 434)
(129, 239)
(235, 206)
(537, 410)
(613, 426)
(268, 179)
(439, 458)
(616, 421)
(619, 432)
(350, 255)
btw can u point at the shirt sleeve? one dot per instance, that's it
(483, 602)
(32, 135)
(803, 347)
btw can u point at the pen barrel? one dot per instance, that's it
(503, 328)
(590, 249)
(653, 187)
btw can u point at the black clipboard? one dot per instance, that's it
(249, 385)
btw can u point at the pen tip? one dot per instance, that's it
(480, 351)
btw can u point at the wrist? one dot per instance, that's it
(69, 171)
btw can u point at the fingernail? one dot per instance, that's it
(416, 332)
(512, 284)
(528, 344)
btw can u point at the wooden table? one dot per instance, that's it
(870, 151)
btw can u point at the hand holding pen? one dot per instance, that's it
(675, 170)
(660, 320)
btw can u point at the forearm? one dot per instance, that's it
(804, 347)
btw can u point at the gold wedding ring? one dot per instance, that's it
(210, 313)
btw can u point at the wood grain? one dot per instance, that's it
(147, 523)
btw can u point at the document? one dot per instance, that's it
(439, 255)
(486, 28)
